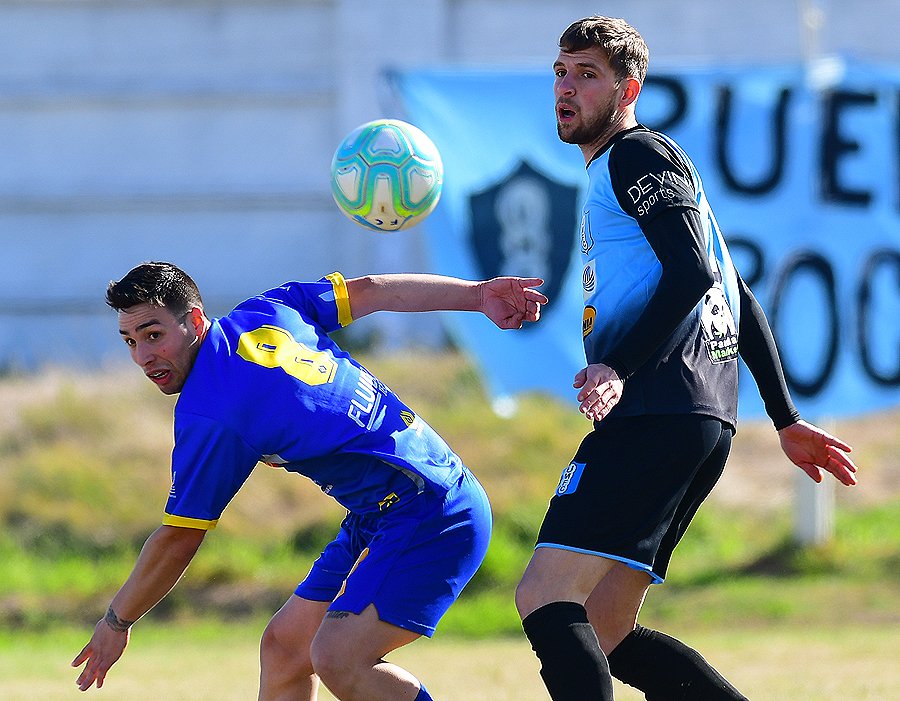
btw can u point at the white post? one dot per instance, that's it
(814, 504)
(814, 510)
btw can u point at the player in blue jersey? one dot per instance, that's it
(666, 315)
(266, 384)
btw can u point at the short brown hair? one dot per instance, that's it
(624, 47)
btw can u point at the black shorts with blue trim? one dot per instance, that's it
(634, 486)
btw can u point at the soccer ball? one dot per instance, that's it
(387, 175)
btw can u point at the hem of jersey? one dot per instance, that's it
(186, 522)
(693, 410)
(634, 564)
(341, 298)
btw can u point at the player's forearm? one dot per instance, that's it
(412, 292)
(163, 560)
(758, 349)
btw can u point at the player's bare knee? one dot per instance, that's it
(337, 670)
(527, 596)
(282, 654)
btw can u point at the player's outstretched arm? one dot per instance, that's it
(511, 301)
(163, 559)
(507, 301)
(813, 450)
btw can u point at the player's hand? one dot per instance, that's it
(813, 450)
(511, 301)
(600, 390)
(101, 653)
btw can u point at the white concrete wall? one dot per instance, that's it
(201, 131)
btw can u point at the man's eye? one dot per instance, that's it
(153, 335)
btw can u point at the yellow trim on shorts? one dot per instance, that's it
(185, 522)
(341, 298)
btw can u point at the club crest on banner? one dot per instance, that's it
(525, 225)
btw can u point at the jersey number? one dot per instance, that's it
(274, 347)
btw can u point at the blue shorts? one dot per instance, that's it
(411, 564)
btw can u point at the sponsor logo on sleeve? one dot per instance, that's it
(652, 189)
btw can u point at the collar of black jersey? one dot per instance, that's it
(618, 136)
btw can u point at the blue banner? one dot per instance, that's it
(802, 168)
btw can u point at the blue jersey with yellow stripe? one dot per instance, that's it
(270, 386)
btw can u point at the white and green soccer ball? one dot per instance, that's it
(387, 175)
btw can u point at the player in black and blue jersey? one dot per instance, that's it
(267, 384)
(665, 317)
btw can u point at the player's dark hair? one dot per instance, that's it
(161, 284)
(624, 47)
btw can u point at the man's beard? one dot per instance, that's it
(592, 130)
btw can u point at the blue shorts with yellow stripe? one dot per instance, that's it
(411, 564)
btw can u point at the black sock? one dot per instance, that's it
(572, 664)
(666, 669)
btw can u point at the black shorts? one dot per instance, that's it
(634, 486)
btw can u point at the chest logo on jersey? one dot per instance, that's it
(587, 321)
(652, 189)
(587, 238)
(719, 329)
(366, 407)
(524, 224)
(589, 279)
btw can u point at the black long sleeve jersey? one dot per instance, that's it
(664, 305)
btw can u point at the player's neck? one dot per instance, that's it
(591, 149)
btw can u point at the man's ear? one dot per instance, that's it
(197, 320)
(631, 90)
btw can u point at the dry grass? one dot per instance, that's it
(117, 412)
(219, 664)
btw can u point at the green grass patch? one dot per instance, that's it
(84, 471)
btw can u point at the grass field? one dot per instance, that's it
(84, 472)
(218, 662)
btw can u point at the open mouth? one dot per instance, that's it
(565, 113)
(158, 376)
